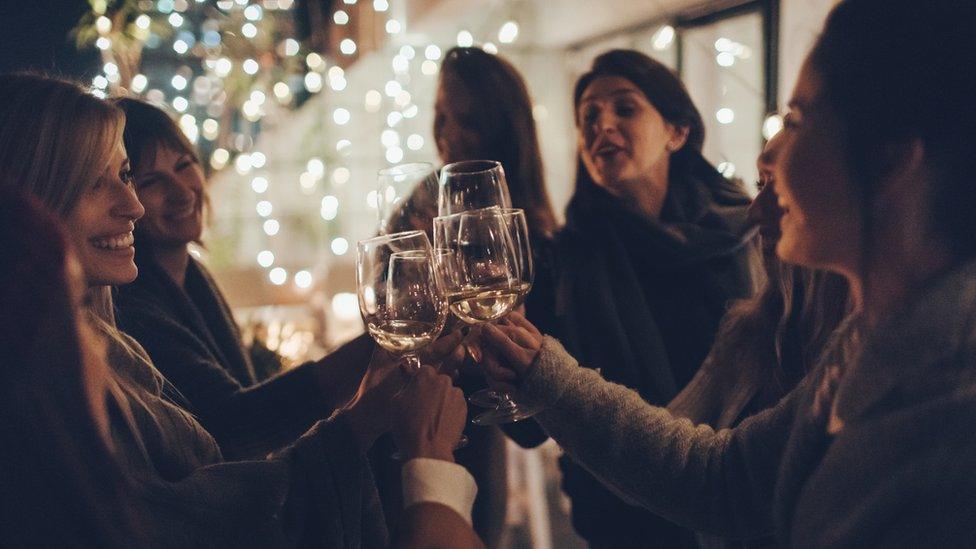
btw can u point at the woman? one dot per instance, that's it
(652, 252)
(59, 482)
(316, 492)
(176, 311)
(875, 447)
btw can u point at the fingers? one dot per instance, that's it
(444, 345)
(517, 318)
(500, 340)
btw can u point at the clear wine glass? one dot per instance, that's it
(481, 269)
(406, 197)
(402, 303)
(472, 185)
(518, 228)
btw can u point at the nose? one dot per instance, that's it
(127, 204)
(606, 121)
(767, 159)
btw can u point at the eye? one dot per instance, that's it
(126, 177)
(590, 114)
(185, 163)
(760, 185)
(625, 109)
(790, 120)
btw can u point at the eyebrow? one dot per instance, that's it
(611, 93)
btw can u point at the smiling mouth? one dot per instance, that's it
(116, 242)
(608, 150)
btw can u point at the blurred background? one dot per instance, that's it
(295, 105)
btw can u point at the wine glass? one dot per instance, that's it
(406, 197)
(481, 269)
(401, 301)
(472, 185)
(518, 229)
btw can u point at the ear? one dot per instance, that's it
(679, 136)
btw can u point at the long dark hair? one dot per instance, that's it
(60, 486)
(665, 91)
(505, 127)
(888, 87)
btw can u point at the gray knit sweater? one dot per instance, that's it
(899, 473)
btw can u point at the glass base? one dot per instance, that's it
(486, 398)
(506, 412)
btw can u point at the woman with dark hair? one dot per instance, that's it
(875, 447)
(60, 485)
(652, 252)
(176, 311)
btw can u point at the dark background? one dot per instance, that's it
(34, 34)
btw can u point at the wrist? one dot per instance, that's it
(362, 424)
(429, 451)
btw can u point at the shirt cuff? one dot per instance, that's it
(437, 481)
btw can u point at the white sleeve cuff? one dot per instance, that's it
(437, 481)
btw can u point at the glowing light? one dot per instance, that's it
(349, 2)
(307, 180)
(291, 47)
(271, 227)
(281, 90)
(393, 118)
(403, 98)
(389, 138)
(103, 43)
(316, 167)
(253, 12)
(211, 129)
(347, 46)
(340, 176)
(252, 112)
(139, 83)
(725, 59)
(381, 5)
(407, 51)
(432, 52)
(392, 88)
(726, 168)
(314, 61)
(772, 125)
(110, 69)
(341, 116)
(464, 39)
(264, 208)
(508, 33)
(266, 258)
(415, 142)
(278, 276)
(540, 113)
(343, 146)
(429, 68)
(400, 64)
(143, 22)
(223, 67)
(258, 159)
(303, 279)
(175, 20)
(100, 82)
(103, 25)
(372, 100)
(181, 47)
(219, 158)
(179, 82)
(345, 306)
(394, 155)
(340, 246)
(393, 26)
(411, 111)
(372, 200)
(725, 115)
(724, 44)
(259, 184)
(180, 104)
(242, 163)
(249, 30)
(490, 48)
(250, 66)
(340, 17)
(663, 38)
(258, 97)
(330, 208)
(337, 84)
(313, 82)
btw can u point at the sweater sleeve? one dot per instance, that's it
(719, 482)
(246, 421)
(316, 493)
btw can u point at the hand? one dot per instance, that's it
(446, 354)
(430, 414)
(510, 347)
(370, 411)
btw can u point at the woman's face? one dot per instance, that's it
(101, 223)
(764, 211)
(454, 113)
(171, 190)
(622, 139)
(821, 223)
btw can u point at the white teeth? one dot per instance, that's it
(114, 242)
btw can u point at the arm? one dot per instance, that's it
(719, 482)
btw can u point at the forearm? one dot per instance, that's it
(338, 374)
(719, 482)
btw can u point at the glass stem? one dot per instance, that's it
(505, 402)
(411, 361)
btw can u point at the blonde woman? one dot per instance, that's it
(64, 146)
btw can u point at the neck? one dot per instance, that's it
(889, 285)
(173, 260)
(647, 195)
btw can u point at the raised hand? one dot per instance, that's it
(429, 416)
(510, 347)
